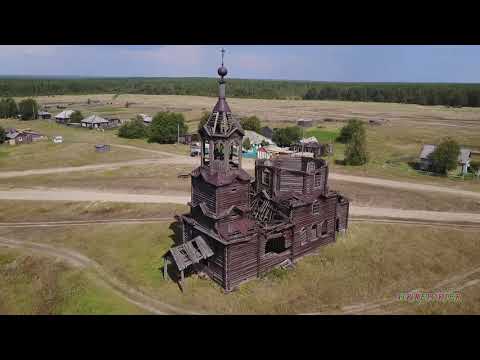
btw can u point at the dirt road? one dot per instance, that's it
(248, 164)
(181, 198)
(79, 260)
(402, 185)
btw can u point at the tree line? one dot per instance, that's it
(410, 93)
(27, 109)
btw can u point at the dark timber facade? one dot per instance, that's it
(238, 227)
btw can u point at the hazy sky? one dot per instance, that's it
(324, 63)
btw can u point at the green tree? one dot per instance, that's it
(251, 123)
(346, 133)
(164, 127)
(8, 108)
(445, 156)
(203, 119)
(287, 136)
(247, 145)
(356, 150)
(28, 109)
(3, 135)
(133, 129)
(475, 167)
(264, 143)
(76, 117)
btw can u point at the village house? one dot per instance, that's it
(257, 139)
(464, 157)
(311, 147)
(240, 228)
(188, 139)
(97, 122)
(147, 120)
(64, 116)
(113, 121)
(45, 115)
(267, 132)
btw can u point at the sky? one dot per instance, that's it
(351, 63)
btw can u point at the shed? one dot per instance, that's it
(15, 137)
(305, 122)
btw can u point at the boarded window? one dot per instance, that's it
(317, 180)
(266, 177)
(324, 227)
(310, 166)
(315, 208)
(303, 236)
(314, 232)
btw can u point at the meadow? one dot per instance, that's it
(371, 263)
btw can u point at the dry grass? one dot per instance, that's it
(372, 262)
(391, 146)
(45, 154)
(41, 285)
(375, 196)
(32, 211)
(152, 179)
(269, 110)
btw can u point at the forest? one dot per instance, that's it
(447, 94)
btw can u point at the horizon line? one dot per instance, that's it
(66, 77)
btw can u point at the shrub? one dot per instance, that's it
(3, 135)
(445, 156)
(246, 144)
(166, 126)
(8, 108)
(76, 117)
(356, 149)
(287, 136)
(203, 119)
(28, 109)
(346, 133)
(133, 129)
(251, 123)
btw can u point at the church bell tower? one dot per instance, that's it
(221, 135)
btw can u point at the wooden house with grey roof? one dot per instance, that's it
(464, 157)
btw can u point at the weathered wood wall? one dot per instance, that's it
(204, 192)
(236, 193)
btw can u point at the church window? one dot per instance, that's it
(266, 177)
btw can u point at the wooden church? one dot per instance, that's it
(239, 228)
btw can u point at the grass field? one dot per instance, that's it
(41, 285)
(372, 262)
(32, 211)
(391, 146)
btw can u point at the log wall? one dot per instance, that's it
(204, 192)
